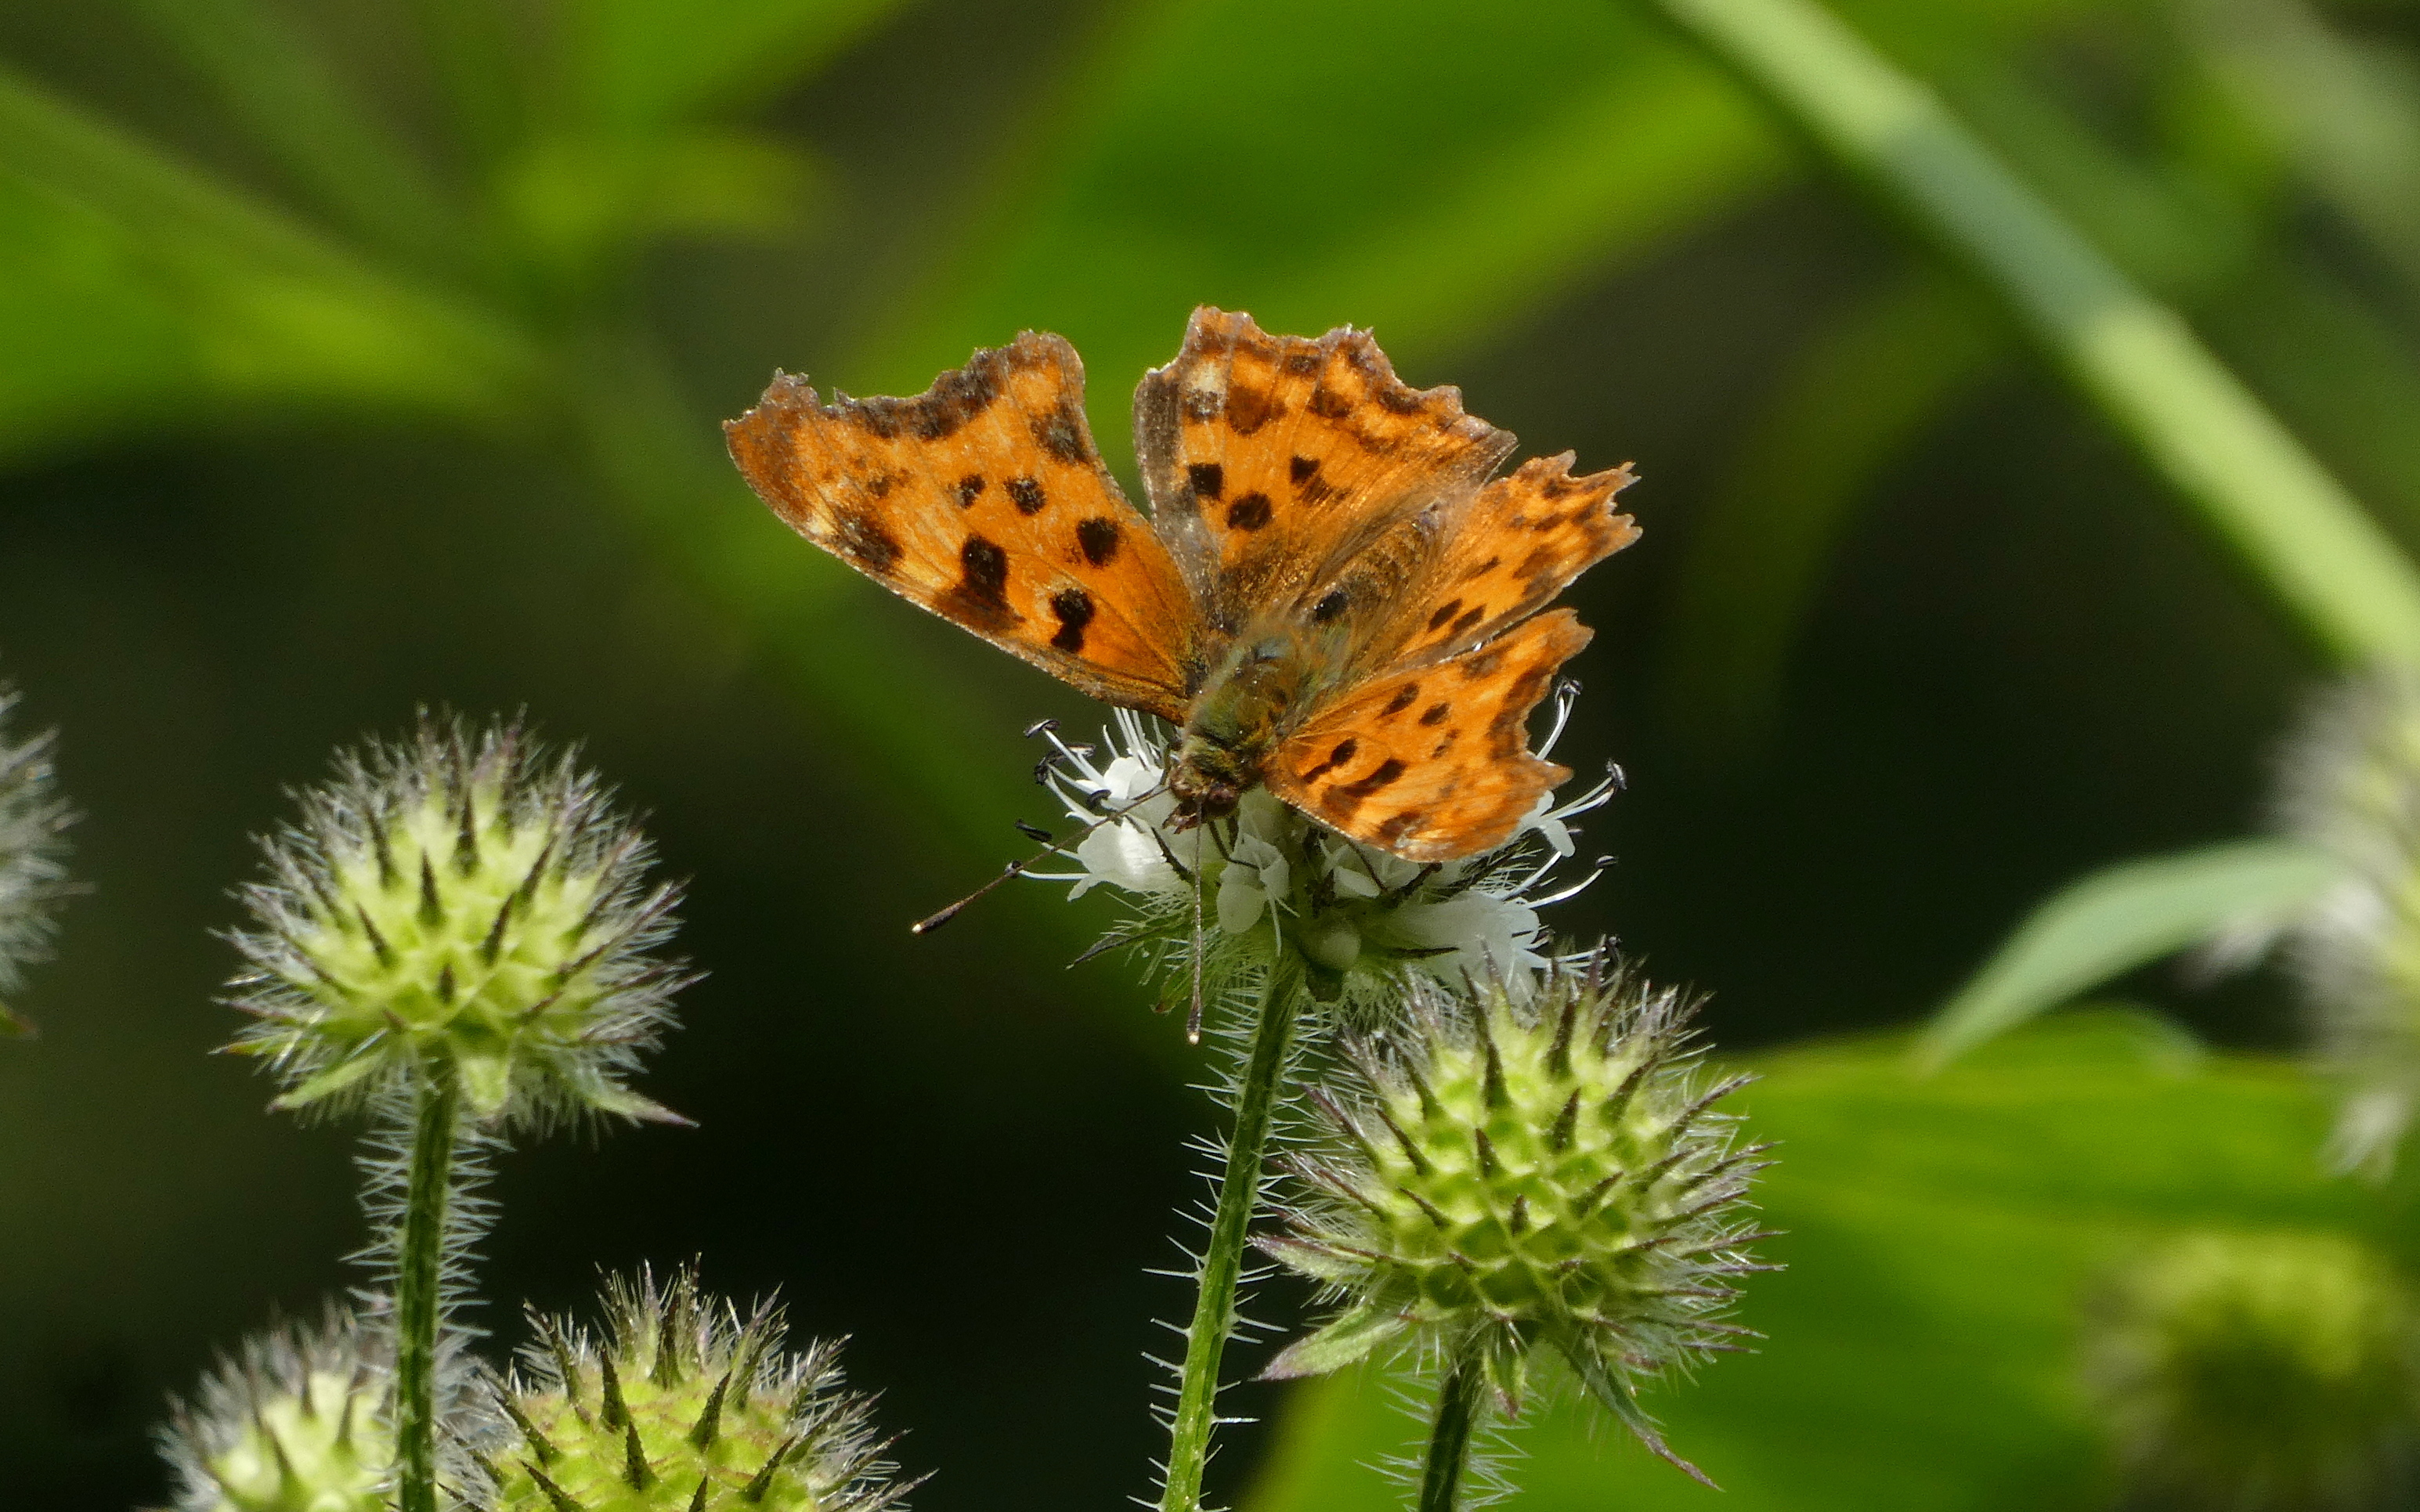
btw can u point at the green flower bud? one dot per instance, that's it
(1540, 1169)
(32, 822)
(683, 1405)
(2260, 1373)
(466, 908)
(297, 1424)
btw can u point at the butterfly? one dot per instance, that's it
(1333, 595)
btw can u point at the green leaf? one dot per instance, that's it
(1347, 1340)
(1940, 1236)
(134, 290)
(650, 63)
(2120, 918)
(2251, 484)
(327, 1083)
(319, 129)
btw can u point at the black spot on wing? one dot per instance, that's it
(1098, 538)
(1336, 758)
(1342, 800)
(1060, 434)
(1451, 609)
(861, 538)
(1301, 468)
(1026, 494)
(1405, 698)
(1434, 714)
(1208, 479)
(1249, 512)
(1075, 609)
(968, 490)
(1250, 409)
(980, 596)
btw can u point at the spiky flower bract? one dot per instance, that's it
(683, 1405)
(33, 821)
(296, 1424)
(2273, 1372)
(1364, 922)
(1531, 1168)
(2349, 785)
(465, 908)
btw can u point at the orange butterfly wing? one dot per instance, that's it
(1433, 764)
(1500, 558)
(1277, 463)
(984, 501)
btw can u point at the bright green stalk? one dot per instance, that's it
(1222, 1263)
(2251, 483)
(1459, 1399)
(419, 1267)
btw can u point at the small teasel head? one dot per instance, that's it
(2350, 786)
(2260, 1372)
(298, 1423)
(682, 1403)
(33, 822)
(1531, 1168)
(1272, 879)
(464, 907)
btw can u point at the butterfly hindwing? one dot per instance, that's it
(1274, 462)
(1433, 764)
(1499, 559)
(984, 501)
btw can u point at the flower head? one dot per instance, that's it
(1272, 878)
(459, 905)
(1533, 1169)
(32, 823)
(2260, 1373)
(2350, 787)
(682, 1403)
(297, 1423)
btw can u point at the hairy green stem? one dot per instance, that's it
(1459, 1397)
(419, 1265)
(1222, 1263)
(2249, 481)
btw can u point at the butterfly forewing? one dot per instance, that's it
(984, 501)
(1281, 467)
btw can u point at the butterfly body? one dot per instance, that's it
(1330, 597)
(1236, 721)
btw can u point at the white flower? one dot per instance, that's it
(1271, 874)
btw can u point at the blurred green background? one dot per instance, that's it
(367, 354)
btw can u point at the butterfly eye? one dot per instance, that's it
(1328, 608)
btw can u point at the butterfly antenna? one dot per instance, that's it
(1016, 869)
(1193, 1017)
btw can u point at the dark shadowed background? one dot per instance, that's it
(362, 356)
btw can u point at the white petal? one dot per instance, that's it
(1240, 899)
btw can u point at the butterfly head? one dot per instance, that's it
(1207, 779)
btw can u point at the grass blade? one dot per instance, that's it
(2251, 484)
(2114, 920)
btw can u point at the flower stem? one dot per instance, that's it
(1459, 1399)
(419, 1263)
(1222, 1263)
